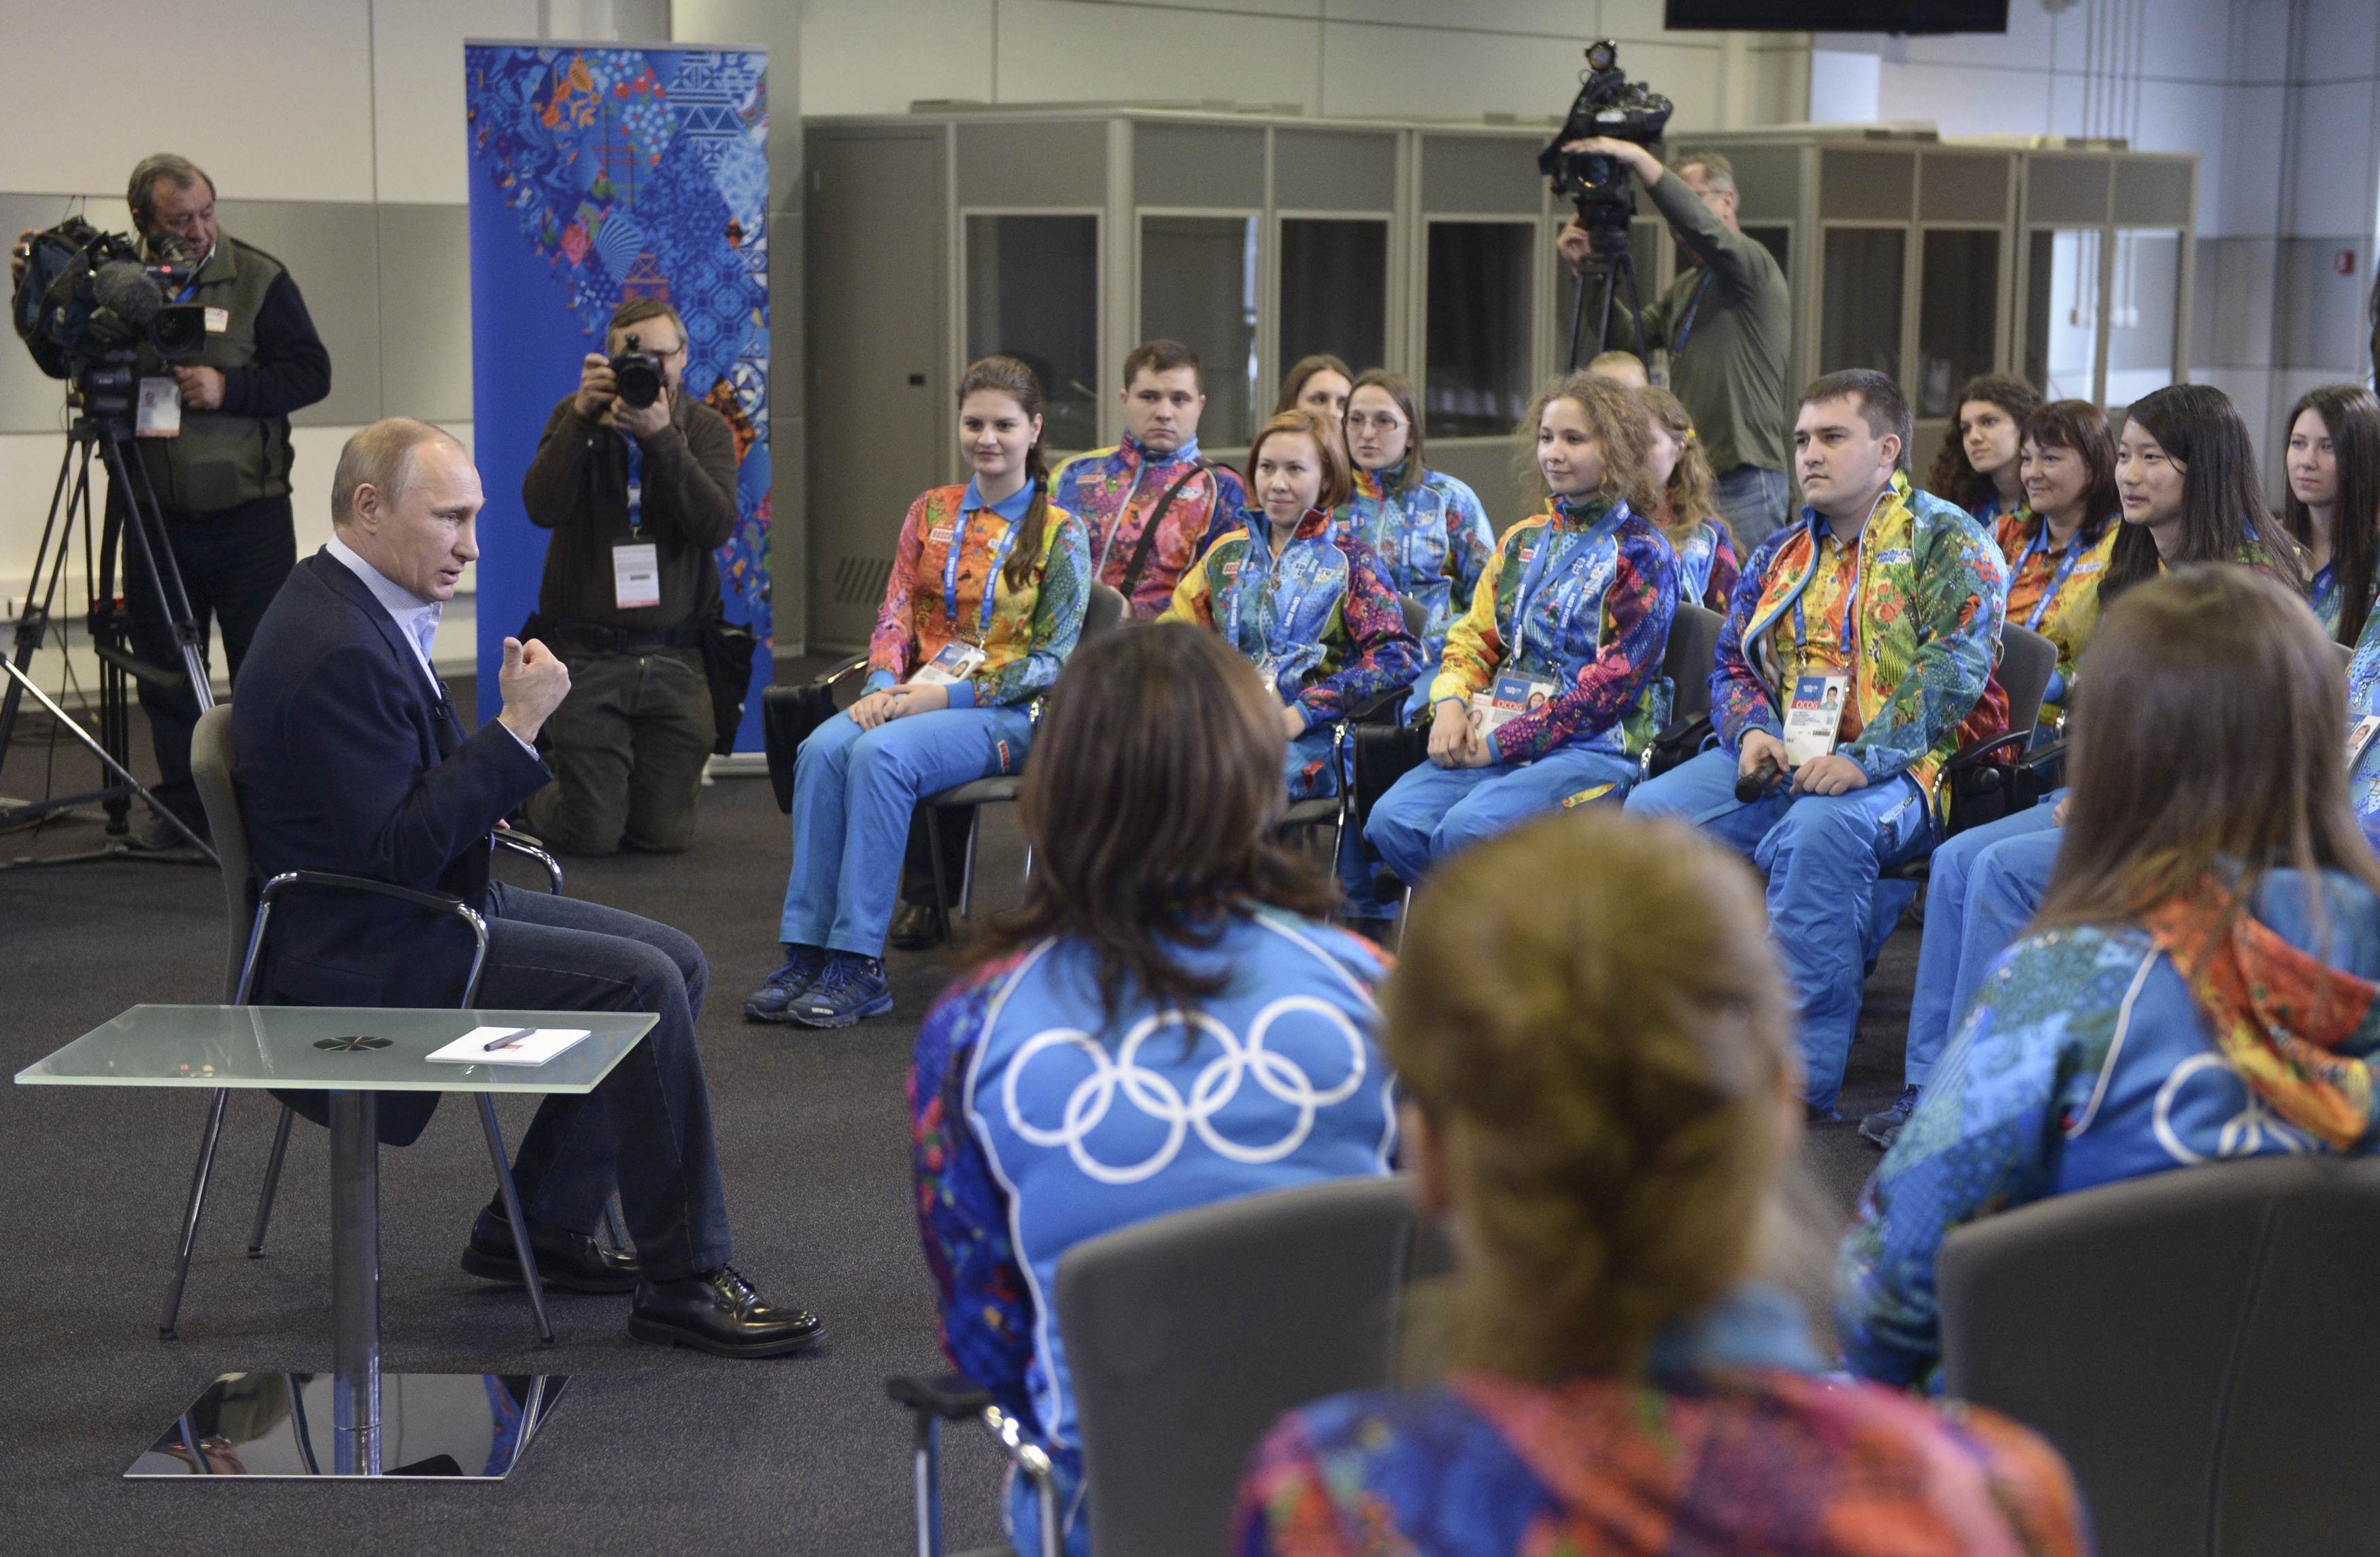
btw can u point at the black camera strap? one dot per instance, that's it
(1148, 541)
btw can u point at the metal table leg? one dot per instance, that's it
(355, 1283)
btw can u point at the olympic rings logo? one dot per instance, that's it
(1156, 1096)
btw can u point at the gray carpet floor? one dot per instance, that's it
(650, 1450)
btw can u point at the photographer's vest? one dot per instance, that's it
(220, 461)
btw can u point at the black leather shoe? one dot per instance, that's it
(917, 927)
(718, 1312)
(571, 1261)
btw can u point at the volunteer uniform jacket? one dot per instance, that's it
(1117, 492)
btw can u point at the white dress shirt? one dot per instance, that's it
(417, 619)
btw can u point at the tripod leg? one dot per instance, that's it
(146, 526)
(57, 530)
(1577, 315)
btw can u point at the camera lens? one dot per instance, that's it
(638, 380)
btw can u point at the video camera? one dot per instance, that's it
(1609, 104)
(87, 294)
(636, 376)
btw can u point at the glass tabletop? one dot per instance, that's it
(362, 1049)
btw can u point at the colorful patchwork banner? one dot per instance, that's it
(600, 174)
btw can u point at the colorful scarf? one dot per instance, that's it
(2279, 1014)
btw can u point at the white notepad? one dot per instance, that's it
(516, 1046)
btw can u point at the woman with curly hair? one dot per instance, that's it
(1686, 513)
(1976, 465)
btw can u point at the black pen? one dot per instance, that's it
(510, 1041)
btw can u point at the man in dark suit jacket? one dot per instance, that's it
(351, 760)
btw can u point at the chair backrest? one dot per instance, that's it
(2346, 654)
(2197, 1344)
(1689, 658)
(2027, 661)
(1103, 609)
(211, 760)
(1187, 1335)
(1415, 614)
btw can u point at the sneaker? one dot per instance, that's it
(851, 989)
(803, 965)
(1880, 1130)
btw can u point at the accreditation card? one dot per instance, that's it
(1813, 715)
(635, 575)
(955, 663)
(1512, 697)
(158, 411)
(2359, 738)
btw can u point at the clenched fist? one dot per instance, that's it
(533, 682)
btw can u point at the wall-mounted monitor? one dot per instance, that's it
(1836, 16)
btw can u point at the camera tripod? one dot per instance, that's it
(133, 523)
(1607, 264)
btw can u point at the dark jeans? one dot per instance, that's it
(232, 564)
(648, 1126)
(628, 746)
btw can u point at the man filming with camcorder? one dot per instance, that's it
(211, 431)
(636, 480)
(1726, 322)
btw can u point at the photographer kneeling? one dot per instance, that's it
(638, 497)
(1726, 322)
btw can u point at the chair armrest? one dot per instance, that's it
(953, 1397)
(2054, 752)
(1368, 711)
(517, 842)
(325, 881)
(833, 674)
(1984, 751)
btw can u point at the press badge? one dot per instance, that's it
(158, 411)
(955, 663)
(635, 575)
(1814, 716)
(218, 320)
(2359, 738)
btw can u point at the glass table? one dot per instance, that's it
(432, 1425)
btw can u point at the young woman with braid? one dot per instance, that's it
(2186, 480)
(2198, 984)
(2333, 506)
(1600, 1091)
(985, 601)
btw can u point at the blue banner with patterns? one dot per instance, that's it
(600, 174)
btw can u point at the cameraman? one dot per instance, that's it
(638, 501)
(1726, 322)
(222, 481)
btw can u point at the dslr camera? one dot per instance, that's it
(637, 375)
(1609, 104)
(89, 300)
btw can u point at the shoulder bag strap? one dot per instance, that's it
(1148, 541)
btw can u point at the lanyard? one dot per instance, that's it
(1277, 573)
(2326, 583)
(1851, 619)
(636, 489)
(991, 578)
(1693, 305)
(2058, 580)
(1531, 577)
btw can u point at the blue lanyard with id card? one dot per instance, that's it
(1000, 551)
(1851, 621)
(2040, 543)
(637, 562)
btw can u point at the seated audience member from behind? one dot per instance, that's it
(1164, 928)
(638, 499)
(2198, 984)
(2184, 475)
(1979, 466)
(1576, 602)
(1598, 1099)
(1892, 599)
(351, 760)
(1726, 322)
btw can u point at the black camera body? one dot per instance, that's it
(636, 376)
(1609, 104)
(90, 300)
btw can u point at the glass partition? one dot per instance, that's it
(1334, 289)
(1859, 321)
(1477, 380)
(2061, 322)
(1957, 315)
(1033, 293)
(2143, 311)
(1198, 286)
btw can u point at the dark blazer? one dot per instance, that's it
(349, 762)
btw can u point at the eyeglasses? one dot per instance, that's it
(1375, 423)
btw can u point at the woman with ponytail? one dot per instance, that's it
(1599, 1096)
(985, 603)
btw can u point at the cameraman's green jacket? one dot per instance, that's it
(260, 338)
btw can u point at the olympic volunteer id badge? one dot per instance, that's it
(1512, 697)
(953, 664)
(1814, 716)
(635, 575)
(2359, 738)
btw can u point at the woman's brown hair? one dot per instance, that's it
(2207, 738)
(2082, 426)
(1620, 427)
(1336, 486)
(1293, 383)
(1691, 485)
(1008, 376)
(1399, 388)
(2351, 416)
(1586, 1011)
(1151, 801)
(1953, 478)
